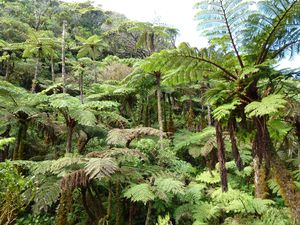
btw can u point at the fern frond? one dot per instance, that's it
(169, 185)
(100, 167)
(5, 141)
(209, 178)
(113, 152)
(46, 195)
(124, 136)
(268, 105)
(140, 193)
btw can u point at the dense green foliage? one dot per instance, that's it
(105, 121)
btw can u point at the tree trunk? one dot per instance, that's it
(70, 126)
(159, 111)
(234, 148)
(148, 217)
(261, 152)
(63, 56)
(209, 123)
(110, 199)
(52, 72)
(82, 141)
(81, 87)
(20, 142)
(34, 80)
(6, 71)
(288, 189)
(4, 152)
(131, 213)
(265, 159)
(221, 156)
(118, 204)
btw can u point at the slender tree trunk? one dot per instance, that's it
(148, 217)
(209, 123)
(131, 212)
(118, 204)
(5, 150)
(85, 204)
(52, 72)
(234, 148)
(81, 87)
(36, 71)
(109, 207)
(63, 56)
(6, 70)
(221, 156)
(20, 141)
(159, 111)
(70, 126)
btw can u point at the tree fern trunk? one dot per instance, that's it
(148, 217)
(20, 142)
(209, 123)
(6, 70)
(70, 126)
(109, 199)
(36, 71)
(261, 152)
(221, 156)
(52, 72)
(131, 212)
(288, 189)
(118, 204)
(159, 111)
(81, 87)
(234, 148)
(63, 56)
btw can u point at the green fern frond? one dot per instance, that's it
(225, 109)
(205, 211)
(5, 141)
(140, 193)
(113, 152)
(194, 192)
(46, 195)
(100, 167)
(184, 211)
(169, 185)
(268, 105)
(209, 178)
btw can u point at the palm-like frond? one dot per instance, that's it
(140, 193)
(125, 136)
(100, 167)
(268, 105)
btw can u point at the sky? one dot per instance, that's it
(175, 13)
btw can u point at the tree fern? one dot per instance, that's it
(169, 185)
(100, 167)
(268, 105)
(46, 195)
(207, 177)
(140, 193)
(125, 136)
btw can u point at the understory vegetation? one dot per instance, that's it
(106, 121)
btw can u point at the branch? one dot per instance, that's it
(278, 51)
(230, 35)
(265, 47)
(229, 76)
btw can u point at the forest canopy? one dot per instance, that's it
(104, 120)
